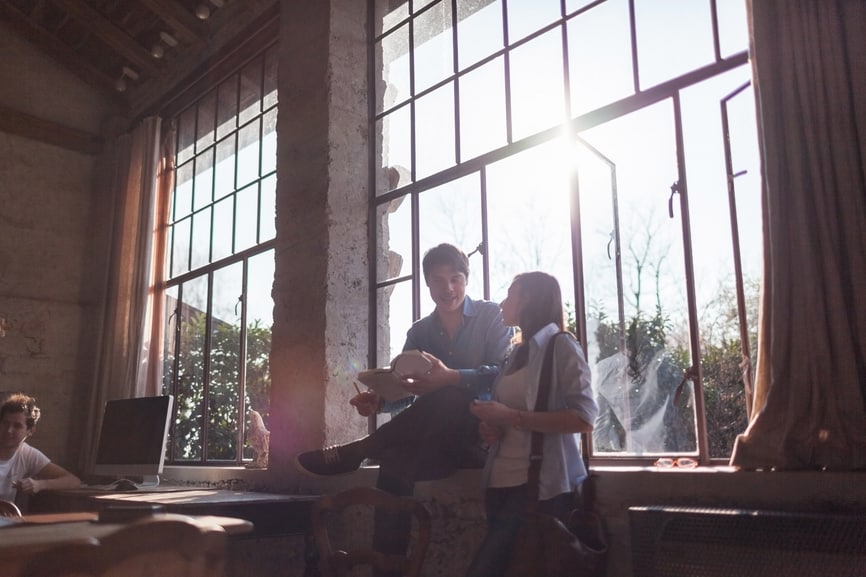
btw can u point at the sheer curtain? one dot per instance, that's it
(128, 349)
(809, 60)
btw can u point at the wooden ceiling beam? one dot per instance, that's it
(59, 52)
(39, 129)
(116, 38)
(188, 29)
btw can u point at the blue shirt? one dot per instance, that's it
(477, 350)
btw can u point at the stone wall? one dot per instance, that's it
(49, 260)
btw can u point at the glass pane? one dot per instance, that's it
(529, 217)
(250, 91)
(206, 119)
(269, 142)
(183, 190)
(636, 304)
(392, 62)
(201, 235)
(225, 168)
(395, 150)
(227, 109)
(434, 131)
(394, 239)
(527, 16)
(260, 307)
(248, 153)
(189, 397)
(180, 247)
(434, 57)
(394, 317)
(268, 209)
(170, 320)
(733, 27)
(715, 280)
(572, 5)
(673, 37)
(223, 220)
(186, 135)
(203, 179)
(224, 363)
(482, 110)
(247, 218)
(479, 31)
(536, 85)
(452, 213)
(599, 57)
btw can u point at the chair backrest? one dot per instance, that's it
(151, 547)
(336, 562)
(9, 509)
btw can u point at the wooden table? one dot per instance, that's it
(37, 533)
(272, 514)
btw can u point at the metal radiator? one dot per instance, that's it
(688, 542)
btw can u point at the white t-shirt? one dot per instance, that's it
(26, 462)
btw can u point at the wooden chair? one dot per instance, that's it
(9, 509)
(336, 562)
(152, 547)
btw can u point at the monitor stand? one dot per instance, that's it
(149, 482)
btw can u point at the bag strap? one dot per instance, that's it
(536, 452)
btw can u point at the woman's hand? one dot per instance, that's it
(366, 403)
(493, 412)
(490, 434)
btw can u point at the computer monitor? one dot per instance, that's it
(133, 437)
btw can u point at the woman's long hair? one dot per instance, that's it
(542, 306)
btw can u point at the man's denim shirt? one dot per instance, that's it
(477, 352)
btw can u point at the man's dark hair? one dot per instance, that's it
(20, 403)
(445, 254)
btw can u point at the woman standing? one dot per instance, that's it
(534, 303)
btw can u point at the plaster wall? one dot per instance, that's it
(48, 224)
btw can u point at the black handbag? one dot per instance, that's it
(546, 546)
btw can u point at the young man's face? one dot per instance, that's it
(447, 288)
(13, 430)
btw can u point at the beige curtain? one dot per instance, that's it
(128, 348)
(809, 59)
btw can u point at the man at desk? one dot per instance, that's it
(24, 469)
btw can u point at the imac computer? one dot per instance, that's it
(133, 437)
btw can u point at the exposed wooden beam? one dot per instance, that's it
(34, 128)
(188, 29)
(116, 38)
(60, 52)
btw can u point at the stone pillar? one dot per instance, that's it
(320, 286)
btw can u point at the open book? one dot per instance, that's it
(386, 382)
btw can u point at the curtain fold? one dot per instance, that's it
(123, 351)
(809, 64)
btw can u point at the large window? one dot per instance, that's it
(609, 142)
(220, 266)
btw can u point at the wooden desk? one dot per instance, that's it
(40, 532)
(270, 513)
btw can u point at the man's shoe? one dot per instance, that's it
(336, 460)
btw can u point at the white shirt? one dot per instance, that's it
(26, 462)
(562, 468)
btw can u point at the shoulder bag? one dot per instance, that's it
(545, 546)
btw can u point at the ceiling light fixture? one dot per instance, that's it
(203, 11)
(126, 72)
(158, 50)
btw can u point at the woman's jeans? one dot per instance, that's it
(505, 509)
